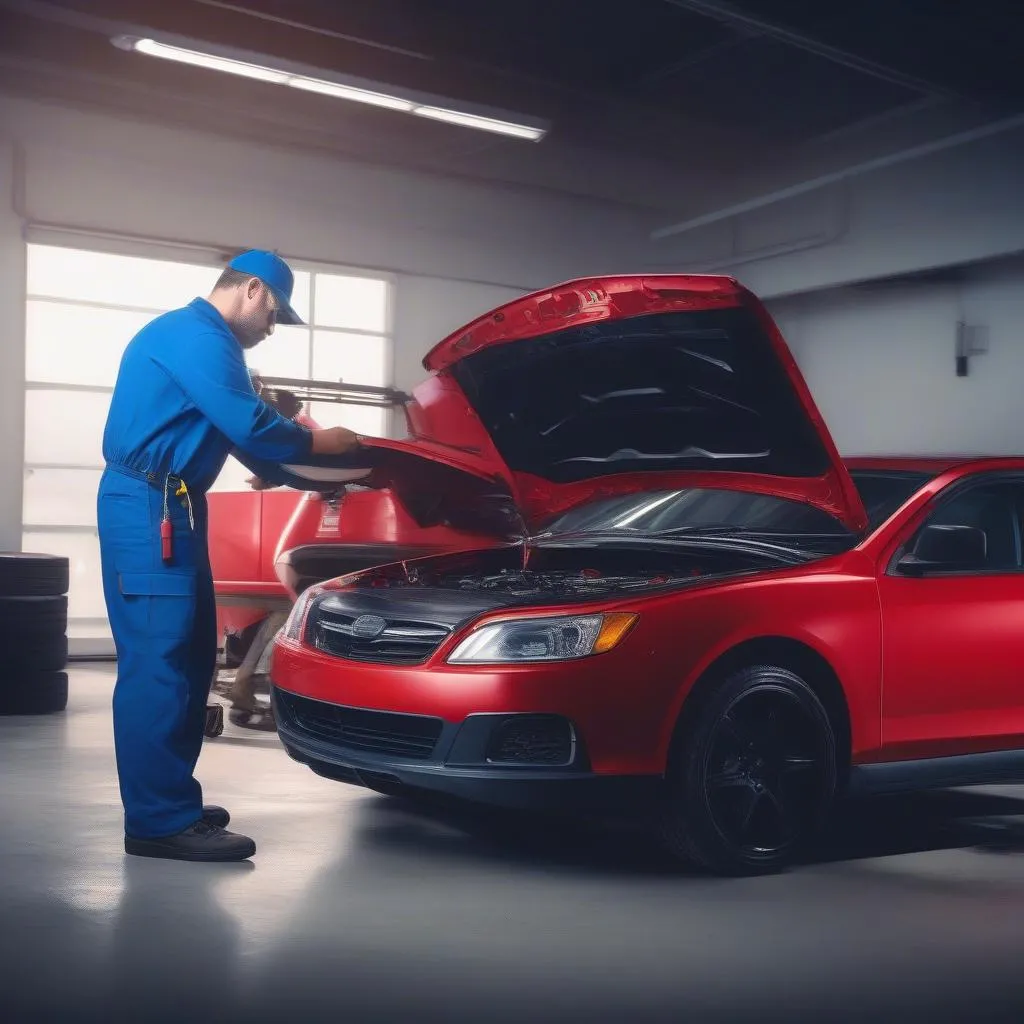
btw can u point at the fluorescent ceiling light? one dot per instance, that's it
(348, 92)
(487, 124)
(338, 90)
(205, 60)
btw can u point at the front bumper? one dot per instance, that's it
(394, 753)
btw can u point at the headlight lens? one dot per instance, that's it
(293, 626)
(518, 641)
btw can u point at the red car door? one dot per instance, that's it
(953, 639)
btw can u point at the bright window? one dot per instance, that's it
(353, 303)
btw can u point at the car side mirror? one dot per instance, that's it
(946, 549)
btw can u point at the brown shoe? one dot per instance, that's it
(260, 718)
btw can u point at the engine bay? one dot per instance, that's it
(553, 573)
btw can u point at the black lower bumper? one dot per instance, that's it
(572, 788)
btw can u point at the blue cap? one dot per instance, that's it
(275, 274)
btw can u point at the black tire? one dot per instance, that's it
(20, 613)
(42, 694)
(36, 653)
(33, 634)
(759, 752)
(25, 574)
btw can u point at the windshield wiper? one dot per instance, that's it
(707, 531)
(633, 532)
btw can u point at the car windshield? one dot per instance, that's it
(695, 510)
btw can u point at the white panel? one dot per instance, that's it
(12, 360)
(90, 630)
(880, 364)
(232, 477)
(300, 295)
(74, 344)
(65, 427)
(363, 419)
(85, 595)
(284, 354)
(61, 497)
(121, 280)
(355, 358)
(428, 309)
(355, 303)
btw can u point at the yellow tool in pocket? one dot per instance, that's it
(182, 492)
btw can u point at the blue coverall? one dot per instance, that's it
(183, 402)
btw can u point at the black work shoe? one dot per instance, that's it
(200, 841)
(214, 815)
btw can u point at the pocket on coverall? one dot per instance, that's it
(160, 604)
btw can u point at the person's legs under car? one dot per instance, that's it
(246, 711)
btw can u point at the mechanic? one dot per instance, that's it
(183, 402)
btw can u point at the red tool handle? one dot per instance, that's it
(166, 540)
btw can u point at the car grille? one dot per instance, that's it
(383, 732)
(401, 642)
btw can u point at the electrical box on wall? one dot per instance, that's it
(971, 340)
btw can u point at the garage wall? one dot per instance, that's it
(428, 309)
(452, 247)
(879, 361)
(12, 359)
(956, 206)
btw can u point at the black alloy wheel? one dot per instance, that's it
(753, 778)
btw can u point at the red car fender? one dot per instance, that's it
(840, 623)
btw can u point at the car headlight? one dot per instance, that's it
(292, 628)
(547, 638)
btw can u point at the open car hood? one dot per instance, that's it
(597, 388)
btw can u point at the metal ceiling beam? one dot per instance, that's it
(315, 29)
(736, 18)
(890, 160)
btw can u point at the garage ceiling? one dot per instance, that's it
(653, 103)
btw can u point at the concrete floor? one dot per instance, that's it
(357, 908)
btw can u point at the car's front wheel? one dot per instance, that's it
(752, 775)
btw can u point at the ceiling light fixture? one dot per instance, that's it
(430, 107)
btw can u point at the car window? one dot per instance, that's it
(882, 492)
(992, 508)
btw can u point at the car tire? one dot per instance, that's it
(751, 775)
(25, 574)
(43, 693)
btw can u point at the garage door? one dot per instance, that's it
(82, 308)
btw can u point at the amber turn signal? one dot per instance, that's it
(615, 626)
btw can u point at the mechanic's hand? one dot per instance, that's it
(334, 441)
(258, 484)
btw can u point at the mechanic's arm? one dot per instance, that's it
(211, 372)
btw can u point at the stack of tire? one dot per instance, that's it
(33, 633)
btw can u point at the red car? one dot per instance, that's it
(693, 602)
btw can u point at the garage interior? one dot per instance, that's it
(857, 166)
